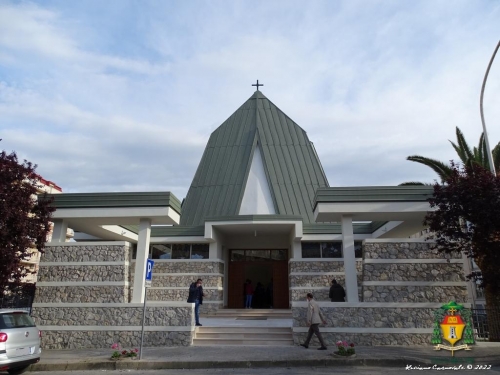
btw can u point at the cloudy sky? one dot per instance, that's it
(123, 95)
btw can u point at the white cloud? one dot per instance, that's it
(108, 103)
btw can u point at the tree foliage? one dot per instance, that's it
(467, 219)
(468, 156)
(24, 219)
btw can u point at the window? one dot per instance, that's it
(311, 250)
(15, 320)
(199, 251)
(258, 255)
(161, 252)
(329, 249)
(358, 249)
(179, 251)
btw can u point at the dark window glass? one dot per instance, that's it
(358, 249)
(258, 255)
(161, 251)
(16, 320)
(180, 251)
(237, 255)
(311, 250)
(134, 251)
(199, 251)
(279, 254)
(331, 249)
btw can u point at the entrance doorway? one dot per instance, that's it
(268, 271)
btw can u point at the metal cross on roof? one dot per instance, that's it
(257, 84)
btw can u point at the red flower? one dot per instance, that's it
(351, 345)
(124, 352)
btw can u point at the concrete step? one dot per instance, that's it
(229, 329)
(270, 336)
(239, 342)
(250, 313)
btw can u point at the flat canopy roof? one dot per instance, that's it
(103, 214)
(405, 204)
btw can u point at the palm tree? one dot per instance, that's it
(478, 155)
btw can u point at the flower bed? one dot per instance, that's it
(344, 349)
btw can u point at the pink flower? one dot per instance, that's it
(137, 350)
(115, 346)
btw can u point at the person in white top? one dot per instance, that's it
(314, 318)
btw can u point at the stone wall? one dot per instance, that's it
(172, 278)
(84, 273)
(83, 294)
(403, 250)
(315, 276)
(71, 252)
(414, 272)
(99, 326)
(400, 284)
(104, 339)
(388, 325)
(411, 272)
(394, 293)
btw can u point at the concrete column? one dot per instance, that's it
(59, 231)
(296, 250)
(140, 261)
(351, 278)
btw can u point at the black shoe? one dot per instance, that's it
(323, 348)
(304, 345)
(198, 324)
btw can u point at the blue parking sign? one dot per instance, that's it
(149, 272)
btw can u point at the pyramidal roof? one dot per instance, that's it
(290, 163)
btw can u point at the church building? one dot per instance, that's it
(259, 207)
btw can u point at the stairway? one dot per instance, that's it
(241, 327)
(241, 314)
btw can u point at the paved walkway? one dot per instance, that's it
(254, 356)
(264, 356)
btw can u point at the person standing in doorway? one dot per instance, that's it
(337, 293)
(249, 294)
(314, 318)
(196, 296)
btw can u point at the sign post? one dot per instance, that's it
(147, 284)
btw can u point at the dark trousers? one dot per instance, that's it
(313, 328)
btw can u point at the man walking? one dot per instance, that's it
(196, 296)
(337, 293)
(314, 318)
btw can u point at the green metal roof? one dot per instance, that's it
(114, 200)
(314, 228)
(170, 231)
(336, 228)
(373, 194)
(256, 218)
(292, 167)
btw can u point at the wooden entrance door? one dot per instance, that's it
(244, 262)
(280, 280)
(236, 274)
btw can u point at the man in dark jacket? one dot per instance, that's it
(196, 296)
(337, 293)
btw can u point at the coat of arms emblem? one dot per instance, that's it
(452, 323)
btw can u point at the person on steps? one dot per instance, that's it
(196, 296)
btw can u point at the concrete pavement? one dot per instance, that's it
(255, 356)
